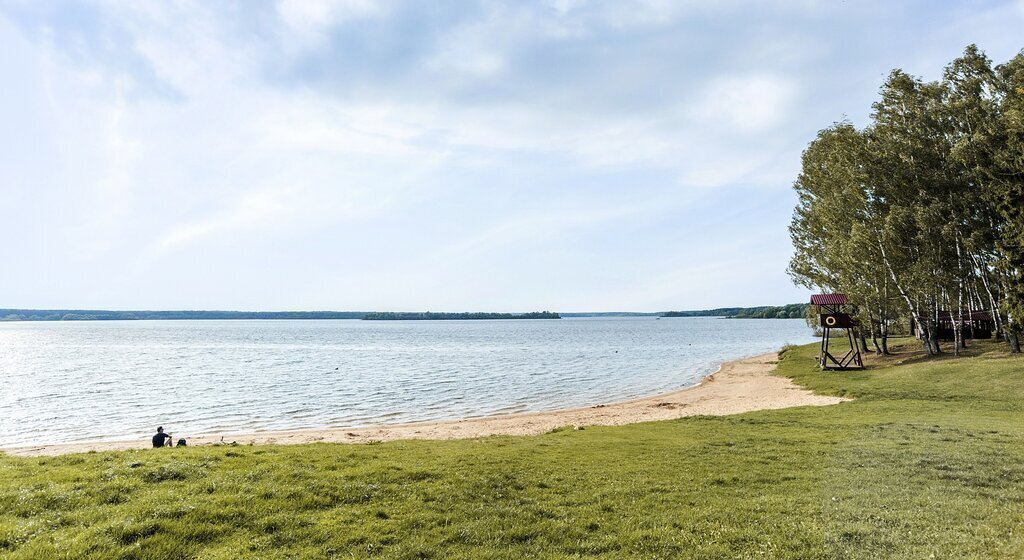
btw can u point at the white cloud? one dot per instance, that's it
(310, 124)
(309, 21)
(161, 132)
(744, 103)
(315, 15)
(650, 13)
(254, 209)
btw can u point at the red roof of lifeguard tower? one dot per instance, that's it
(829, 299)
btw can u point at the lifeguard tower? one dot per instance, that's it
(836, 313)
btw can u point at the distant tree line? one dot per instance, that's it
(612, 314)
(791, 311)
(922, 211)
(717, 312)
(430, 316)
(97, 315)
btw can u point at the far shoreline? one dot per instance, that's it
(741, 385)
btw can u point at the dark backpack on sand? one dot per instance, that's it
(181, 443)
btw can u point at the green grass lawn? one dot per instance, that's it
(927, 462)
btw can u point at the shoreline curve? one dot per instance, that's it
(742, 385)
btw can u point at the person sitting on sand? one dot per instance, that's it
(161, 438)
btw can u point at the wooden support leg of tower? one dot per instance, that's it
(850, 360)
(824, 349)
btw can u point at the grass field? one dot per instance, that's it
(927, 462)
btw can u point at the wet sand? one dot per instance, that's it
(738, 386)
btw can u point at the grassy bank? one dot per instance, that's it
(927, 462)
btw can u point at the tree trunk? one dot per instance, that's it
(883, 331)
(1014, 340)
(958, 325)
(922, 324)
(994, 305)
(933, 333)
(874, 333)
(958, 329)
(883, 320)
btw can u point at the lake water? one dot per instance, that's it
(72, 381)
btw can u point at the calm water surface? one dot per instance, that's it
(70, 381)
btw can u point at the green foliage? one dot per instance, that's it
(790, 311)
(96, 315)
(917, 212)
(92, 315)
(928, 461)
(718, 312)
(429, 316)
(1007, 172)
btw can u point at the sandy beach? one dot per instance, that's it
(738, 386)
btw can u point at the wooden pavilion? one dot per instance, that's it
(976, 324)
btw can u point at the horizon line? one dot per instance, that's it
(197, 310)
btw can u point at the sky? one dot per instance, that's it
(567, 155)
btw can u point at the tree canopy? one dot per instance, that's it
(922, 211)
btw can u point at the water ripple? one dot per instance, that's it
(66, 382)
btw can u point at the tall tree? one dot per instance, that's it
(1008, 172)
(836, 227)
(924, 208)
(971, 106)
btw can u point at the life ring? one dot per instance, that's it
(830, 321)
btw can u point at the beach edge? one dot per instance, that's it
(738, 386)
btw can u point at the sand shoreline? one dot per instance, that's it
(742, 385)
